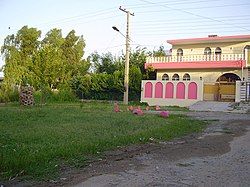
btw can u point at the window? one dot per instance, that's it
(186, 77)
(165, 77)
(207, 53)
(175, 77)
(218, 54)
(179, 55)
(247, 47)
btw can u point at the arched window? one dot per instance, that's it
(186, 77)
(245, 50)
(165, 77)
(179, 55)
(207, 53)
(218, 54)
(175, 77)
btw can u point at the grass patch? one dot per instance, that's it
(37, 141)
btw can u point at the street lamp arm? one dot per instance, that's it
(115, 28)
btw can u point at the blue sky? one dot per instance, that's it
(154, 21)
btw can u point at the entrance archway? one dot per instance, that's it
(228, 78)
(223, 89)
(227, 86)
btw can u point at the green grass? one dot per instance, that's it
(36, 142)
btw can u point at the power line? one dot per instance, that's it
(75, 18)
(172, 3)
(195, 8)
(183, 19)
(175, 33)
(193, 14)
(187, 25)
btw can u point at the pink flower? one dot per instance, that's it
(138, 112)
(164, 114)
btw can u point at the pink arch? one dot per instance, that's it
(180, 91)
(148, 90)
(192, 90)
(169, 90)
(158, 90)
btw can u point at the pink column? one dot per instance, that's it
(180, 91)
(148, 90)
(192, 90)
(169, 90)
(158, 90)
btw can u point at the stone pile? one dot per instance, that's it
(26, 96)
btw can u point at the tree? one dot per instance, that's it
(18, 51)
(49, 63)
(105, 63)
(135, 78)
(160, 52)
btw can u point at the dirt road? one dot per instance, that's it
(217, 157)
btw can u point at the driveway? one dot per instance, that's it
(217, 157)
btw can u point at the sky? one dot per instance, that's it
(154, 21)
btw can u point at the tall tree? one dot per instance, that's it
(18, 51)
(51, 62)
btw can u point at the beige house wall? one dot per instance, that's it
(207, 75)
(226, 47)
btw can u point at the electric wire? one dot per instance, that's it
(193, 14)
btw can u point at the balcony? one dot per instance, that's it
(199, 61)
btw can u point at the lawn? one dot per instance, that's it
(36, 142)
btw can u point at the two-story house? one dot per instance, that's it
(213, 64)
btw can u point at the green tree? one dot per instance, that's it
(105, 63)
(135, 78)
(18, 51)
(160, 52)
(50, 63)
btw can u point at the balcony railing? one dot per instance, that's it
(196, 58)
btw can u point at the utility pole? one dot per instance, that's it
(126, 78)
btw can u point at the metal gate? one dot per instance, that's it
(219, 91)
(247, 91)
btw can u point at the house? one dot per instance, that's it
(214, 68)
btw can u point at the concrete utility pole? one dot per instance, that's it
(126, 78)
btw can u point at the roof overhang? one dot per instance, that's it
(213, 39)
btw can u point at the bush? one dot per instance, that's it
(55, 96)
(9, 96)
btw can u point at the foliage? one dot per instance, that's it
(160, 52)
(38, 142)
(105, 63)
(47, 64)
(55, 96)
(56, 62)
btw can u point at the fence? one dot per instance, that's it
(242, 91)
(171, 93)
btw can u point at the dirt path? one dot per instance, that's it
(217, 157)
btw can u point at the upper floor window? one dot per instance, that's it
(186, 77)
(179, 55)
(175, 77)
(207, 53)
(247, 47)
(165, 77)
(218, 52)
